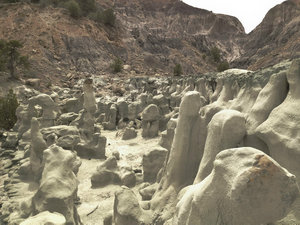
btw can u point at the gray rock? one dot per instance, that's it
(152, 162)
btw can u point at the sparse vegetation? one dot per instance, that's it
(87, 6)
(224, 65)
(117, 65)
(215, 54)
(8, 106)
(10, 57)
(109, 17)
(73, 8)
(177, 70)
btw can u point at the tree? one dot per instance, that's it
(10, 56)
(177, 70)
(8, 106)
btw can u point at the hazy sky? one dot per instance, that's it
(250, 13)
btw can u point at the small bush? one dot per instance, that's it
(177, 70)
(215, 54)
(87, 6)
(109, 17)
(73, 8)
(8, 106)
(224, 65)
(117, 65)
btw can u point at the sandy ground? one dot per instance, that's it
(101, 199)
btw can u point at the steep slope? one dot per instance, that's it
(150, 36)
(275, 39)
(164, 33)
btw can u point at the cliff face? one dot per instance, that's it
(275, 39)
(164, 33)
(150, 36)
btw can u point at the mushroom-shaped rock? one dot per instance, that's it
(150, 121)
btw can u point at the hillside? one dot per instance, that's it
(149, 37)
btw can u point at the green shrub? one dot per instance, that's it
(108, 17)
(117, 65)
(8, 106)
(87, 6)
(215, 54)
(177, 70)
(224, 65)
(73, 8)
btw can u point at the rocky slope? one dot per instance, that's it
(275, 39)
(150, 37)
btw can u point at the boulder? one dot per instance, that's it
(152, 162)
(151, 113)
(148, 191)
(245, 187)
(11, 141)
(106, 173)
(129, 133)
(45, 218)
(67, 118)
(127, 210)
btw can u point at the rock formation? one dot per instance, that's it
(245, 187)
(58, 185)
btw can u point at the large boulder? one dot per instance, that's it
(245, 187)
(106, 173)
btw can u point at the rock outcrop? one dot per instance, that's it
(245, 187)
(58, 185)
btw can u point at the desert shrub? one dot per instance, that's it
(108, 17)
(73, 8)
(215, 54)
(117, 65)
(87, 6)
(224, 65)
(8, 106)
(177, 70)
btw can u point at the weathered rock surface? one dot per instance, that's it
(245, 187)
(58, 185)
(225, 130)
(44, 218)
(127, 210)
(152, 162)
